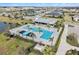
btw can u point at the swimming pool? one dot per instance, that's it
(46, 34)
(24, 33)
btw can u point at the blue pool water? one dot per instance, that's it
(46, 34)
(24, 33)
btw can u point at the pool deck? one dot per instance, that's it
(38, 34)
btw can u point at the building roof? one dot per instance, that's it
(39, 47)
(45, 20)
(55, 13)
(76, 16)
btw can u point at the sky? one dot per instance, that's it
(42, 4)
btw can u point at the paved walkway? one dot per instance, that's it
(64, 46)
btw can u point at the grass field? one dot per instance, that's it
(10, 20)
(12, 46)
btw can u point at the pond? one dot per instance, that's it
(3, 26)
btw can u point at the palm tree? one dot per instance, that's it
(48, 51)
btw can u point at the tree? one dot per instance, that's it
(49, 51)
(17, 24)
(3, 15)
(16, 15)
(72, 52)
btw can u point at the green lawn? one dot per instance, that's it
(12, 46)
(10, 20)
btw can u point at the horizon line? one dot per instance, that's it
(41, 4)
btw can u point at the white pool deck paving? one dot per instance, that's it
(64, 46)
(38, 34)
